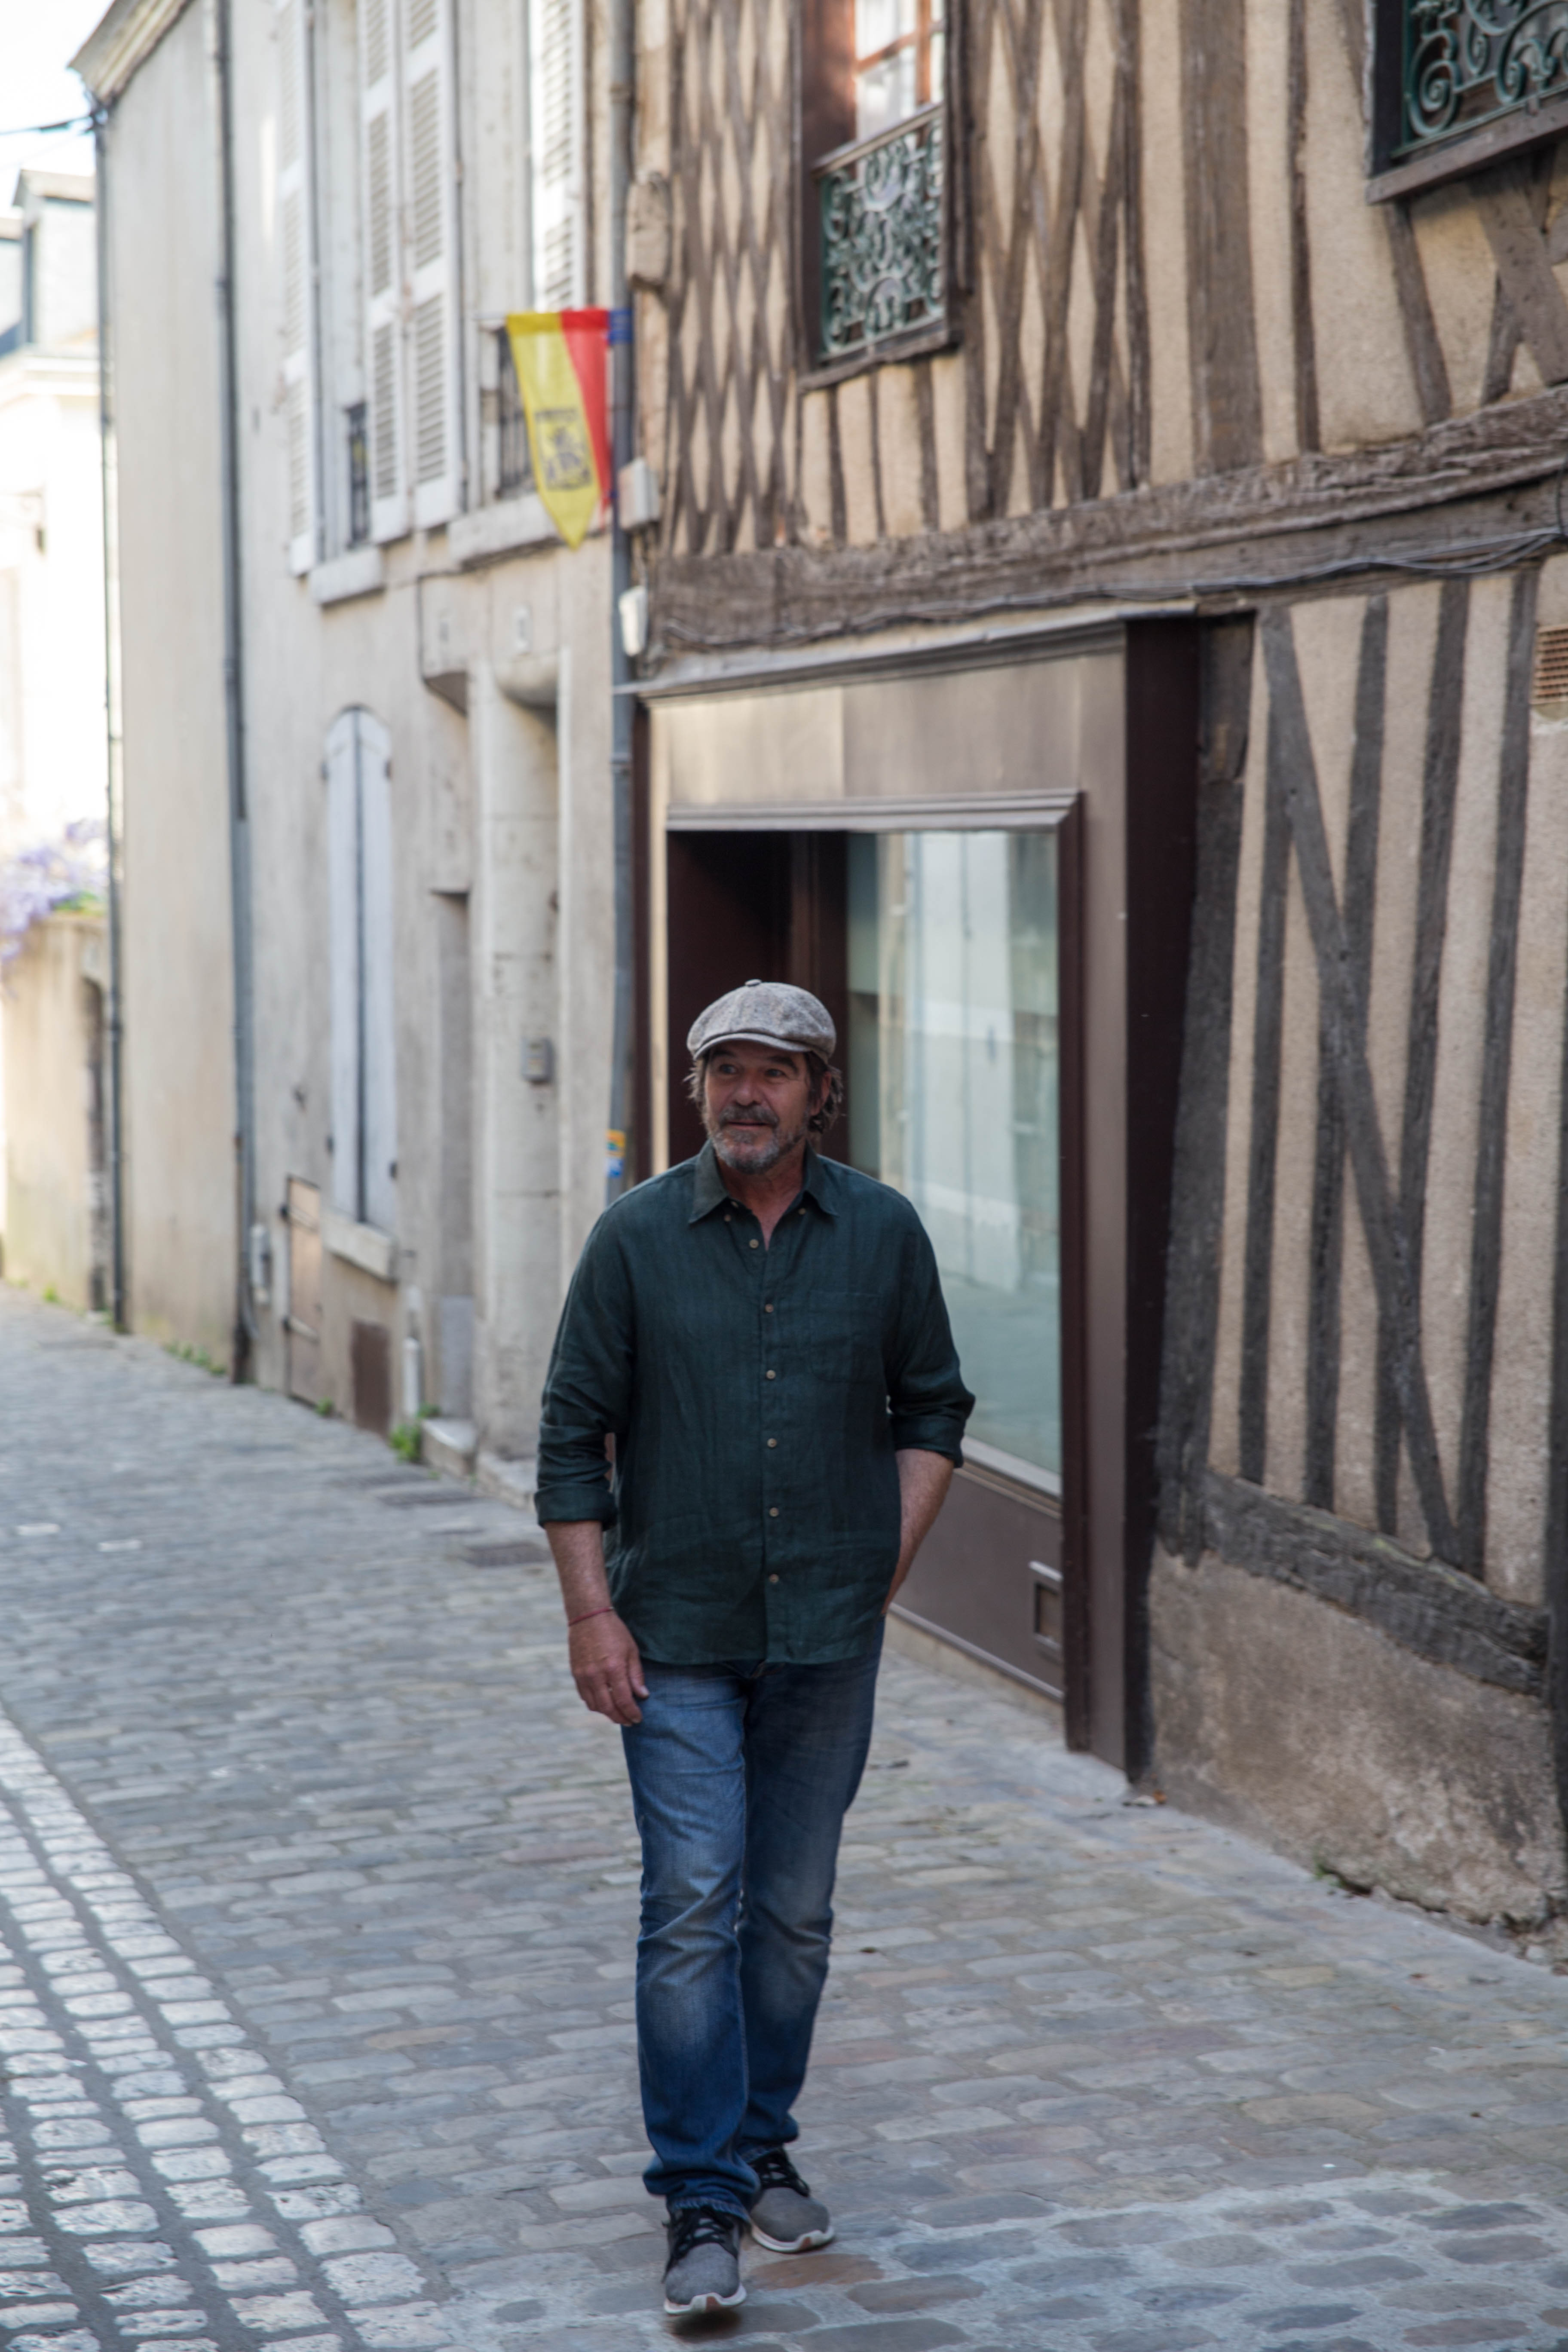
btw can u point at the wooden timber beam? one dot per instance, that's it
(1491, 476)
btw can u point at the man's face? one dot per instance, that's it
(755, 1104)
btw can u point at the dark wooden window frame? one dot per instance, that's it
(1111, 1359)
(824, 121)
(1467, 152)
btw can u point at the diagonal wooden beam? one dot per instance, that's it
(1324, 1307)
(1344, 1036)
(1503, 199)
(1486, 1230)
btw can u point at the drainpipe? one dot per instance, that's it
(245, 1326)
(112, 827)
(618, 1158)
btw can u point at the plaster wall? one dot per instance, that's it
(178, 1062)
(1309, 1729)
(488, 662)
(53, 1066)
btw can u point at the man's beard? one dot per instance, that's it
(752, 1157)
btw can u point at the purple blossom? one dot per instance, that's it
(39, 882)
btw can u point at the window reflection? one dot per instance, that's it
(954, 1095)
(898, 62)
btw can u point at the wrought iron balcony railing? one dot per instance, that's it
(1468, 62)
(884, 273)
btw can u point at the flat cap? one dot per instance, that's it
(766, 1012)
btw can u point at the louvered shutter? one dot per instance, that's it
(296, 243)
(432, 244)
(556, 110)
(378, 1092)
(382, 267)
(343, 953)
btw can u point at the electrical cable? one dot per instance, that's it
(45, 130)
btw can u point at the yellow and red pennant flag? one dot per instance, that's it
(559, 356)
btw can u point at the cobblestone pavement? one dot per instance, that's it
(317, 1896)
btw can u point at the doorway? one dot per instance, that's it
(938, 950)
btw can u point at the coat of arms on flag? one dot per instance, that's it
(559, 356)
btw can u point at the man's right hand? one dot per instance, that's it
(606, 1668)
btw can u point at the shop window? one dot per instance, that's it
(874, 136)
(1457, 84)
(954, 1090)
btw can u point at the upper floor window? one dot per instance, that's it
(898, 62)
(875, 236)
(1459, 83)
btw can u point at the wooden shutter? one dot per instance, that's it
(343, 947)
(378, 1091)
(432, 249)
(297, 243)
(380, 164)
(555, 106)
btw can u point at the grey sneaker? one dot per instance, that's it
(703, 2271)
(785, 2217)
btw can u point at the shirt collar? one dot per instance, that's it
(708, 1190)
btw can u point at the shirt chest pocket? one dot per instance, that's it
(842, 1339)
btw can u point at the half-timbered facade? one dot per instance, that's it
(1109, 630)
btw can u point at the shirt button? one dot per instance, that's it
(767, 1310)
(771, 1376)
(756, 1245)
(773, 1579)
(772, 1441)
(774, 1512)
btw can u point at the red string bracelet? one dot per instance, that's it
(587, 1613)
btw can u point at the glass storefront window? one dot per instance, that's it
(953, 1094)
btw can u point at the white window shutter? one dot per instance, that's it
(296, 242)
(432, 226)
(343, 943)
(378, 1092)
(380, 165)
(556, 110)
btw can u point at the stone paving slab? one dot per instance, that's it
(318, 1891)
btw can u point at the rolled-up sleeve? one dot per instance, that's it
(926, 1396)
(587, 1389)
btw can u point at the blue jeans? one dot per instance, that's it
(741, 1777)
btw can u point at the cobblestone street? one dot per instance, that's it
(318, 1889)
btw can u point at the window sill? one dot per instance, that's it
(366, 1247)
(1456, 159)
(359, 573)
(499, 529)
(916, 346)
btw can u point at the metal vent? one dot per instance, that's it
(1549, 690)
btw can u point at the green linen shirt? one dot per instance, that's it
(756, 1397)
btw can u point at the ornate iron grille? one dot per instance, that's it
(1468, 61)
(883, 247)
(514, 466)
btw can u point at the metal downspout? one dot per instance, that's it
(112, 780)
(245, 1326)
(618, 1161)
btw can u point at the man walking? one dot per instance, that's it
(761, 1333)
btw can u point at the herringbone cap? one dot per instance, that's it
(766, 1012)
